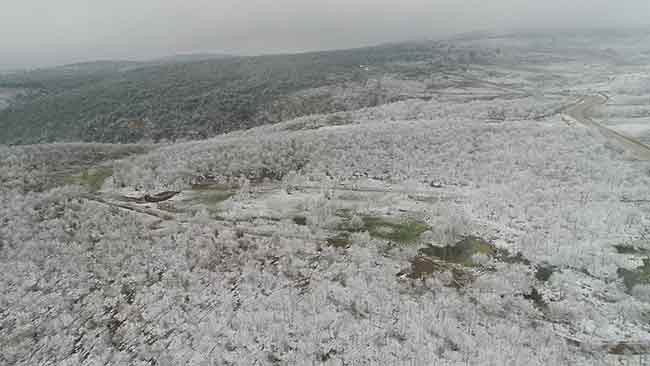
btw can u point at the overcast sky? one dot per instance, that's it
(47, 32)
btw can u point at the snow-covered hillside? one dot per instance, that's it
(471, 224)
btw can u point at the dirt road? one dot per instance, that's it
(580, 112)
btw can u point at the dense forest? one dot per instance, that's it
(130, 101)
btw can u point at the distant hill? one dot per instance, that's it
(195, 96)
(191, 57)
(64, 77)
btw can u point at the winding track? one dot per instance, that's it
(580, 112)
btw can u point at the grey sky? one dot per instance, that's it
(44, 32)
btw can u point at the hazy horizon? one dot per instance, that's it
(48, 34)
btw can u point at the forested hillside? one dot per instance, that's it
(130, 102)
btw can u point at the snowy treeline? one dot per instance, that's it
(89, 284)
(37, 167)
(418, 149)
(461, 109)
(524, 173)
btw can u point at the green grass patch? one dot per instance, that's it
(211, 197)
(399, 230)
(404, 231)
(211, 194)
(340, 241)
(92, 178)
(423, 266)
(215, 198)
(456, 259)
(461, 252)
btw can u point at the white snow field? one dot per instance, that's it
(317, 241)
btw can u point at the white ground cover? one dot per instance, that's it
(241, 282)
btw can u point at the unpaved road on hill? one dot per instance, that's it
(580, 112)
